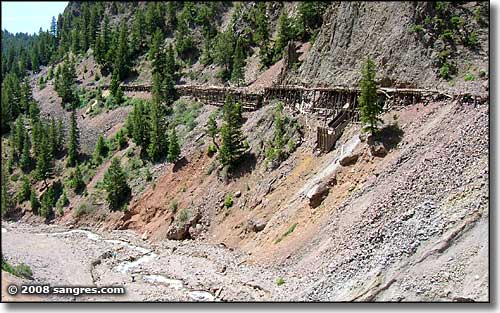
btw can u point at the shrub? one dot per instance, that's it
(417, 29)
(83, 209)
(280, 281)
(469, 77)
(228, 201)
(211, 150)
(447, 35)
(445, 71)
(184, 215)
(173, 206)
(21, 270)
(472, 40)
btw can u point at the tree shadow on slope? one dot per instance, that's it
(390, 136)
(180, 164)
(246, 165)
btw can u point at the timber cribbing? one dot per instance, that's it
(336, 106)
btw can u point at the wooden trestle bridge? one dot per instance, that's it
(336, 106)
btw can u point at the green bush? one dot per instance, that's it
(173, 206)
(280, 281)
(417, 29)
(472, 40)
(445, 71)
(228, 201)
(21, 270)
(184, 215)
(469, 77)
(211, 150)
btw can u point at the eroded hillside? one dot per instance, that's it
(402, 219)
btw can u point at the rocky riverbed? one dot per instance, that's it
(166, 271)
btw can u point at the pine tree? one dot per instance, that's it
(174, 150)
(212, 129)
(5, 200)
(54, 149)
(25, 192)
(76, 181)
(170, 65)
(115, 89)
(157, 146)
(35, 204)
(59, 136)
(19, 136)
(284, 35)
(232, 137)
(43, 160)
(48, 202)
(237, 74)
(122, 55)
(26, 96)
(369, 106)
(115, 183)
(25, 161)
(73, 144)
(138, 32)
(223, 51)
(100, 151)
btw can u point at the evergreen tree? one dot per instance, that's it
(174, 150)
(25, 192)
(223, 51)
(101, 150)
(54, 149)
(138, 32)
(284, 35)
(43, 160)
(170, 65)
(6, 202)
(157, 146)
(115, 183)
(73, 144)
(122, 56)
(48, 202)
(369, 106)
(59, 136)
(238, 74)
(26, 96)
(35, 204)
(76, 181)
(34, 111)
(25, 161)
(212, 129)
(232, 138)
(115, 89)
(19, 136)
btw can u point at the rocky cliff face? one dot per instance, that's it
(406, 55)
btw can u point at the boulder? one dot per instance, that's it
(320, 191)
(256, 225)
(195, 231)
(349, 159)
(377, 149)
(179, 229)
(237, 194)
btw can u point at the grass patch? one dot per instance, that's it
(21, 270)
(288, 232)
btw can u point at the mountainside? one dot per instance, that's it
(250, 151)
